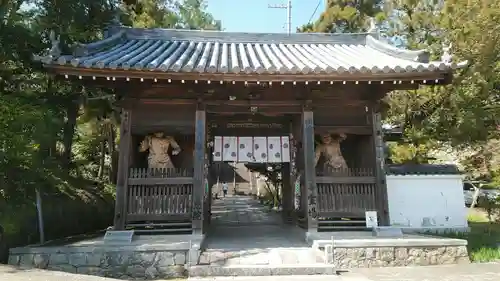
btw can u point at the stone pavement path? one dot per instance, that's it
(468, 272)
(471, 272)
(241, 210)
(243, 232)
(8, 273)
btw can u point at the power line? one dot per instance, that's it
(314, 13)
(288, 8)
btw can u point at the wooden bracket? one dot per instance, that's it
(200, 105)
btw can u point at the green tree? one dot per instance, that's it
(461, 114)
(193, 15)
(185, 14)
(150, 13)
(345, 16)
(59, 136)
(273, 176)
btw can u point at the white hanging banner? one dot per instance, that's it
(230, 149)
(245, 151)
(217, 149)
(285, 149)
(252, 149)
(260, 149)
(274, 149)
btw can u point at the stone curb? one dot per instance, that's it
(97, 249)
(204, 271)
(390, 242)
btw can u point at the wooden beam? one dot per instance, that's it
(309, 169)
(199, 170)
(159, 217)
(403, 86)
(217, 120)
(345, 180)
(353, 130)
(160, 181)
(161, 87)
(245, 106)
(248, 77)
(253, 109)
(123, 168)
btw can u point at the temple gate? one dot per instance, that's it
(180, 90)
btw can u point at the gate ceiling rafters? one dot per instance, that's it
(275, 149)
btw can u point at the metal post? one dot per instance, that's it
(289, 14)
(288, 8)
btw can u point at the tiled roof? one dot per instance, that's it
(221, 52)
(422, 169)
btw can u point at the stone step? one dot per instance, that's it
(260, 270)
(268, 257)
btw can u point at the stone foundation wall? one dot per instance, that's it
(344, 258)
(116, 264)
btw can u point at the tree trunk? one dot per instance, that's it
(102, 152)
(69, 132)
(113, 154)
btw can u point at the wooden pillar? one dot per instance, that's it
(287, 192)
(123, 169)
(381, 186)
(299, 168)
(309, 169)
(199, 170)
(293, 165)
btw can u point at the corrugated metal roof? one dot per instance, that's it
(221, 52)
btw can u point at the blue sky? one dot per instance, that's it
(255, 16)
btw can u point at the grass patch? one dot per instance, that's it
(477, 216)
(483, 238)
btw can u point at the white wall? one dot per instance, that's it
(435, 199)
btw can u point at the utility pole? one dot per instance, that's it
(288, 8)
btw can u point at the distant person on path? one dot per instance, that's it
(224, 188)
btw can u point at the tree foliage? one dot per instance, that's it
(463, 114)
(345, 16)
(273, 177)
(185, 14)
(59, 136)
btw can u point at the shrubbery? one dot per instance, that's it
(86, 210)
(491, 207)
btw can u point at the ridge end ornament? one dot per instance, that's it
(55, 50)
(373, 26)
(446, 56)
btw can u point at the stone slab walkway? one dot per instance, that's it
(243, 232)
(470, 272)
(467, 272)
(241, 210)
(8, 273)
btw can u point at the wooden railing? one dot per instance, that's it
(159, 194)
(345, 192)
